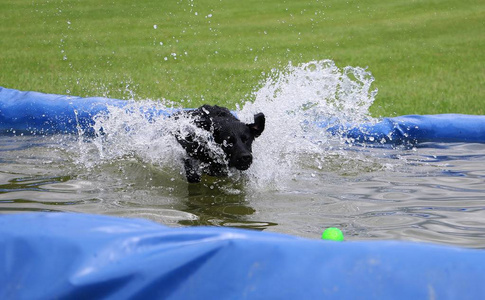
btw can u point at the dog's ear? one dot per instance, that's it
(258, 126)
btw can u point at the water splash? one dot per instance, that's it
(319, 89)
(294, 100)
(130, 132)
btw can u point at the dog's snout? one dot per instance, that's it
(243, 161)
(246, 158)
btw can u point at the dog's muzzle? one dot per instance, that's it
(243, 162)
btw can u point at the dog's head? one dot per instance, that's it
(236, 139)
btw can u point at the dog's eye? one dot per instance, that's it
(244, 139)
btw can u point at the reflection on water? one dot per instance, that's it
(434, 193)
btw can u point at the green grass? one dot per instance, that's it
(426, 56)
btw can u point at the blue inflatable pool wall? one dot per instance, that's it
(77, 256)
(38, 113)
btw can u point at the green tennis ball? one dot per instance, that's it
(333, 234)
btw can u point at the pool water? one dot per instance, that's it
(302, 179)
(434, 193)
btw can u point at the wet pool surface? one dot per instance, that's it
(431, 193)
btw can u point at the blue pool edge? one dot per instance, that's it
(58, 255)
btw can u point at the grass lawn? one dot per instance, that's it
(427, 56)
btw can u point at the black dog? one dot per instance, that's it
(227, 142)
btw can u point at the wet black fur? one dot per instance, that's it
(233, 136)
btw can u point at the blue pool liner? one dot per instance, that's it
(79, 256)
(39, 113)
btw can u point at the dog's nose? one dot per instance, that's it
(246, 158)
(243, 161)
